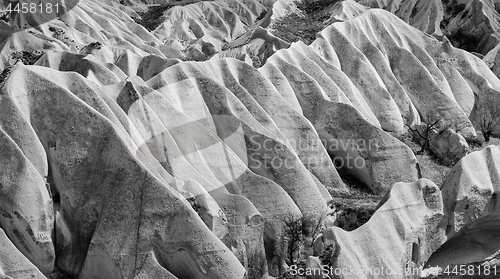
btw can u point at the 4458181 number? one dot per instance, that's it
(31, 8)
(476, 270)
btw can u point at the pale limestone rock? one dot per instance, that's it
(448, 145)
(244, 237)
(207, 208)
(425, 15)
(346, 10)
(362, 148)
(469, 190)
(472, 214)
(102, 196)
(397, 236)
(124, 153)
(151, 269)
(82, 64)
(238, 113)
(226, 20)
(318, 245)
(25, 204)
(13, 264)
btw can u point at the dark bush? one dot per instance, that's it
(463, 40)
(28, 57)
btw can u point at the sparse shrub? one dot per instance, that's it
(303, 27)
(57, 31)
(5, 17)
(153, 16)
(5, 74)
(256, 63)
(328, 254)
(462, 40)
(423, 134)
(476, 142)
(295, 231)
(292, 239)
(314, 6)
(262, 15)
(95, 45)
(451, 9)
(352, 217)
(194, 205)
(488, 119)
(28, 57)
(60, 34)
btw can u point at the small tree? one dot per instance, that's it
(459, 125)
(292, 238)
(424, 134)
(295, 231)
(488, 119)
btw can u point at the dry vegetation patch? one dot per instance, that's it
(304, 26)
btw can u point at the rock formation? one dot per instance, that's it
(181, 152)
(470, 199)
(403, 233)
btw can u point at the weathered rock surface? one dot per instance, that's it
(22, 183)
(472, 25)
(164, 168)
(470, 202)
(218, 21)
(402, 234)
(425, 15)
(346, 10)
(13, 264)
(110, 207)
(470, 188)
(448, 145)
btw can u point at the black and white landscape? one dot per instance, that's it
(231, 139)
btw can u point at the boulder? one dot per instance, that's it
(448, 145)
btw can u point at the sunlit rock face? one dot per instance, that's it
(399, 238)
(13, 264)
(470, 201)
(472, 25)
(425, 15)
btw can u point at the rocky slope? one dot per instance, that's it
(470, 206)
(123, 159)
(425, 15)
(472, 25)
